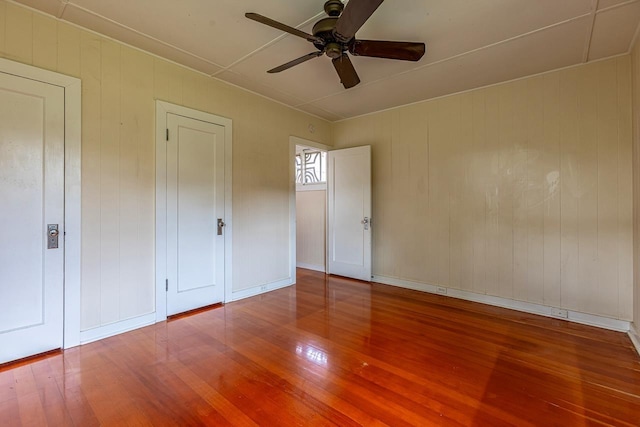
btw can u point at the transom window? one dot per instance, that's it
(311, 167)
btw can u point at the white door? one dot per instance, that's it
(195, 213)
(31, 198)
(349, 213)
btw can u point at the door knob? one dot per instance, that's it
(220, 225)
(52, 236)
(366, 221)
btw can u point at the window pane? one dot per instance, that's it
(314, 167)
(298, 169)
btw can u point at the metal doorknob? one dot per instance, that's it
(366, 221)
(53, 232)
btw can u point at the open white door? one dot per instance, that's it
(32, 216)
(195, 213)
(349, 213)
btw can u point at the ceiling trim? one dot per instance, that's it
(139, 33)
(451, 58)
(634, 39)
(482, 87)
(586, 21)
(615, 6)
(266, 45)
(80, 27)
(587, 42)
(89, 30)
(292, 107)
(63, 6)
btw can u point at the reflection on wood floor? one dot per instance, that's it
(332, 351)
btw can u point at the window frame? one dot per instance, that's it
(314, 186)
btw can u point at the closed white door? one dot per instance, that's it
(31, 202)
(349, 212)
(195, 214)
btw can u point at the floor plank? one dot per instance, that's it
(336, 352)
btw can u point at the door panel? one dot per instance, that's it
(349, 203)
(195, 200)
(196, 208)
(32, 193)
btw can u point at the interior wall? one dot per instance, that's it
(310, 229)
(119, 86)
(521, 190)
(635, 58)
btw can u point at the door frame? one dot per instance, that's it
(72, 188)
(162, 109)
(293, 141)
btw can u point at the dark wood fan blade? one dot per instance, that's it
(355, 14)
(295, 62)
(347, 73)
(405, 51)
(280, 26)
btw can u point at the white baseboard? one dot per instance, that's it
(527, 307)
(101, 332)
(313, 267)
(116, 328)
(261, 289)
(635, 337)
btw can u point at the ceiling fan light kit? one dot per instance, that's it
(334, 36)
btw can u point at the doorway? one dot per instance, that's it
(345, 215)
(311, 207)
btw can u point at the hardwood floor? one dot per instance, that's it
(332, 351)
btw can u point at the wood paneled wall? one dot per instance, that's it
(119, 88)
(522, 190)
(311, 207)
(635, 58)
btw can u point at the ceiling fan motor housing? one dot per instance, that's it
(324, 29)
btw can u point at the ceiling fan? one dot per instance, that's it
(335, 36)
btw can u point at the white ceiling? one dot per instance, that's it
(470, 43)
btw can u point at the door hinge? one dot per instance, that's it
(167, 134)
(166, 285)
